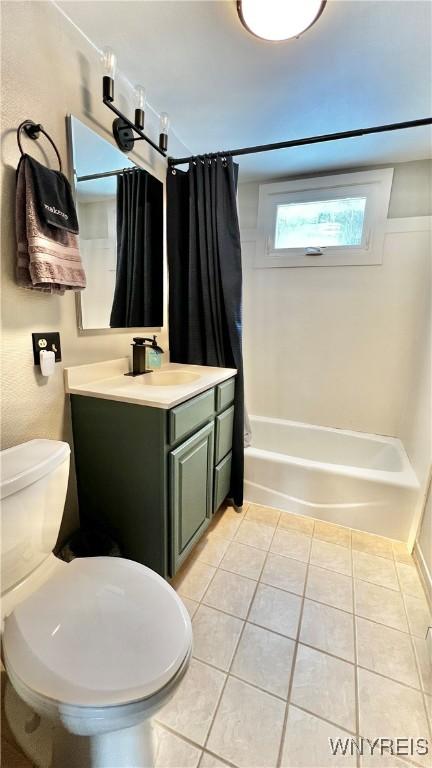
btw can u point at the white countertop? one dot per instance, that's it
(107, 381)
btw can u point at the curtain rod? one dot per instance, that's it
(104, 175)
(309, 140)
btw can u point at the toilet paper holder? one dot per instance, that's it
(49, 342)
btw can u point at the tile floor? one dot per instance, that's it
(302, 631)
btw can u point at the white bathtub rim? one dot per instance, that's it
(337, 430)
(405, 478)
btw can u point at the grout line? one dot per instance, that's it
(356, 676)
(293, 664)
(233, 657)
(324, 720)
(232, 661)
(297, 642)
(425, 707)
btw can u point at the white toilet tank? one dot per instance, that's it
(33, 484)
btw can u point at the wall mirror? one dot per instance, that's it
(120, 214)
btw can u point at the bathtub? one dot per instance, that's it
(350, 478)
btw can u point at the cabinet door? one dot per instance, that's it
(224, 433)
(191, 476)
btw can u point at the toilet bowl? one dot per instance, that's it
(94, 647)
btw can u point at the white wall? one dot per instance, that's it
(423, 546)
(48, 71)
(347, 347)
(336, 346)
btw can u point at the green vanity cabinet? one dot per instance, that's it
(151, 477)
(191, 491)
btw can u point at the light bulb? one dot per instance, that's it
(163, 131)
(279, 19)
(140, 97)
(109, 62)
(164, 122)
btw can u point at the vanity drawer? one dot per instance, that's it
(222, 480)
(190, 415)
(224, 430)
(225, 394)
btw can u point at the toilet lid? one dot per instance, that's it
(102, 631)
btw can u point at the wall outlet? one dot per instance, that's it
(49, 341)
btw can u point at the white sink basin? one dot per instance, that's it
(166, 387)
(167, 378)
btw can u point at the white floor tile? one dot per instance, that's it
(244, 560)
(307, 745)
(299, 523)
(386, 651)
(265, 515)
(276, 610)
(248, 726)
(328, 629)
(190, 711)
(193, 579)
(331, 556)
(424, 658)
(384, 760)
(380, 604)
(173, 752)
(419, 615)
(291, 544)
(264, 659)
(409, 580)
(254, 534)
(401, 554)
(285, 573)
(191, 605)
(226, 524)
(231, 593)
(330, 587)
(210, 761)
(215, 636)
(389, 708)
(325, 686)
(378, 570)
(374, 545)
(335, 534)
(211, 549)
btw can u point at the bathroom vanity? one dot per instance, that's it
(152, 453)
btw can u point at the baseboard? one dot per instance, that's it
(424, 571)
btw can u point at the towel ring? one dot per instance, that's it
(33, 131)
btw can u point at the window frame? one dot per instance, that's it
(374, 185)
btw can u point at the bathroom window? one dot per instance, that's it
(324, 221)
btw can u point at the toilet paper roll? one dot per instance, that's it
(47, 362)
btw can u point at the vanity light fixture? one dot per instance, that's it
(124, 130)
(278, 20)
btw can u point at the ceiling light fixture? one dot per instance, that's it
(278, 20)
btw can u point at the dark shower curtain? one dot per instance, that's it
(138, 295)
(205, 280)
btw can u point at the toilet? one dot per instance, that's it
(92, 648)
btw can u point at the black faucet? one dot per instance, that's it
(140, 347)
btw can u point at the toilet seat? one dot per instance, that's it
(101, 632)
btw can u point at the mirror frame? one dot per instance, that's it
(78, 304)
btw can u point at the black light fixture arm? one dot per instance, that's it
(308, 140)
(123, 128)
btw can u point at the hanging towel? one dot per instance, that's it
(48, 256)
(54, 198)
